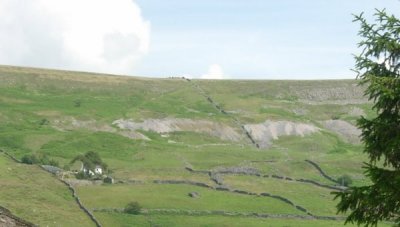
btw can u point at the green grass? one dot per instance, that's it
(152, 196)
(33, 100)
(255, 101)
(35, 195)
(117, 219)
(317, 200)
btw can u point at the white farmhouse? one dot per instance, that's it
(97, 170)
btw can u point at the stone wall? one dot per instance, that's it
(9, 220)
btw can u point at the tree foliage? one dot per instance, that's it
(90, 159)
(133, 208)
(41, 159)
(378, 69)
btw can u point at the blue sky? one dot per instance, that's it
(285, 39)
(236, 39)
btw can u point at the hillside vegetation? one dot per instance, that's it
(257, 153)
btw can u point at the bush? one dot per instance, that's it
(42, 160)
(81, 175)
(45, 160)
(30, 159)
(345, 180)
(52, 162)
(133, 208)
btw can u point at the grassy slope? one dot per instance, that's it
(35, 195)
(27, 96)
(112, 219)
(175, 197)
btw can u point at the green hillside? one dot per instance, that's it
(35, 195)
(258, 153)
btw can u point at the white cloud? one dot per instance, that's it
(92, 35)
(214, 72)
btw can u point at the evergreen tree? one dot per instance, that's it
(378, 70)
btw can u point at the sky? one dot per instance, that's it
(210, 39)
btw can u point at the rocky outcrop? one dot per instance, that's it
(344, 129)
(168, 125)
(342, 94)
(268, 131)
(71, 123)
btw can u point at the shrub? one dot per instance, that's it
(81, 175)
(133, 208)
(345, 180)
(41, 159)
(52, 162)
(45, 160)
(30, 159)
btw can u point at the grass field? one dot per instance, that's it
(153, 196)
(63, 114)
(117, 219)
(36, 196)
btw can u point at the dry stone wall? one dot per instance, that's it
(7, 219)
